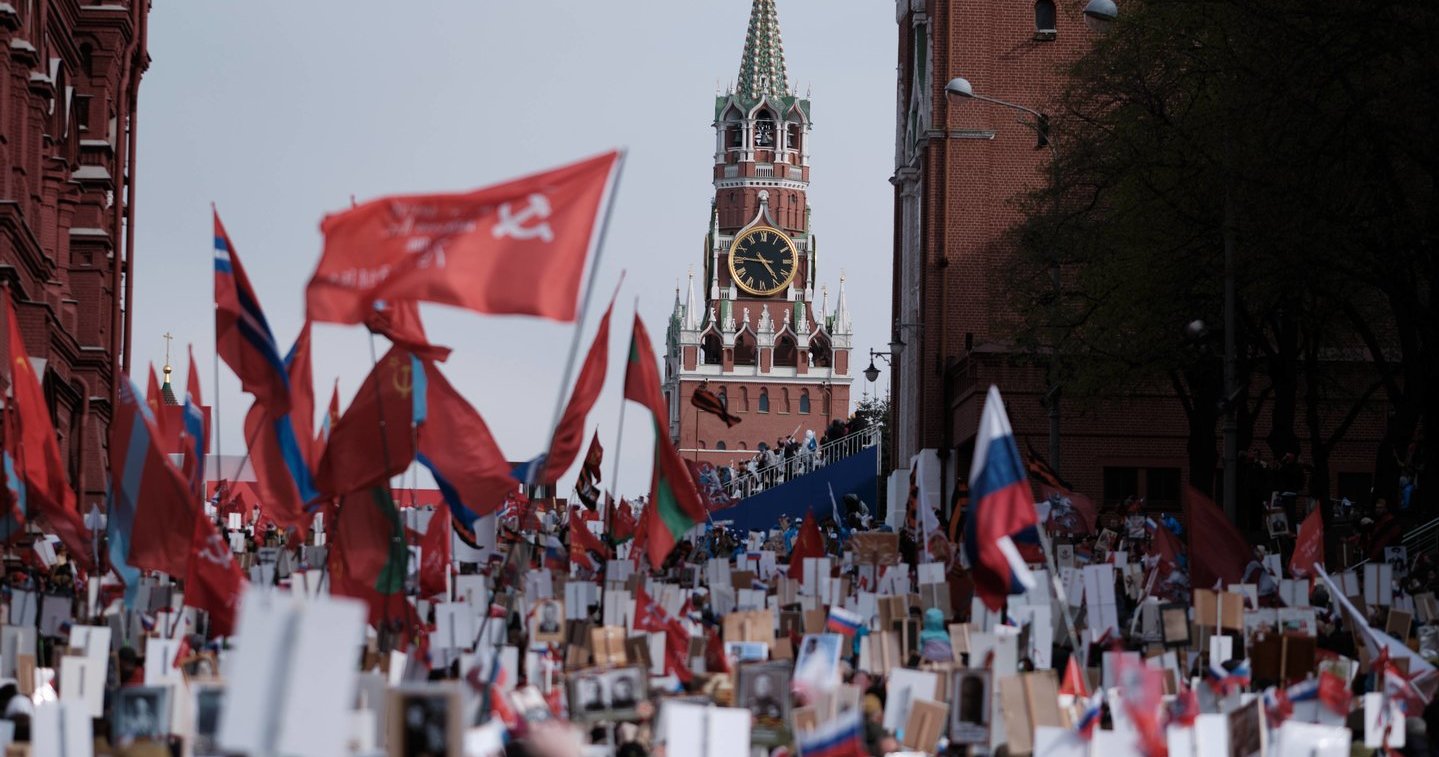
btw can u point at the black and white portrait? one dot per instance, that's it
(142, 713)
(764, 691)
(548, 622)
(1278, 522)
(209, 699)
(627, 687)
(425, 720)
(969, 707)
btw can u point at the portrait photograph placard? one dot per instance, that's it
(425, 721)
(548, 623)
(607, 695)
(141, 713)
(763, 689)
(969, 707)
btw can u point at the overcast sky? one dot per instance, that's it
(278, 111)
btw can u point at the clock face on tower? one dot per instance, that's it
(763, 261)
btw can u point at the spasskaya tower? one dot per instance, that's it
(752, 334)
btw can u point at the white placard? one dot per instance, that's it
(1099, 598)
(906, 685)
(703, 730)
(82, 680)
(160, 661)
(1376, 721)
(61, 729)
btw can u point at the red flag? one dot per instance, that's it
(153, 503)
(1334, 693)
(1070, 512)
(279, 495)
(673, 497)
(194, 432)
(213, 581)
(1309, 546)
(1166, 546)
(1141, 689)
(716, 661)
(571, 429)
(30, 440)
(516, 248)
(1073, 683)
(457, 447)
(642, 530)
(583, 542)
(1224, 553)
(435, 555)
(242, 334)
(622, 524)
(332, 416)
(650, 616)
(368, 558)
(155, 400)
(302, 393)
(375, 439)
(711, 490)
(400, 323)
(808, 543)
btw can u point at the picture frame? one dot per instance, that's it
(207, 700)
(1277, 522)
(970, 702)
(547, 626)
(1174, 625)
(763, 689)
(425, 720)
(141, 713)
(607, 695)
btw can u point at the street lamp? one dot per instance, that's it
(1099, 14)
(961, 87)
(872, 373)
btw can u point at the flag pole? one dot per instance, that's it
(219, 447)
(585, 300)
(614, 487)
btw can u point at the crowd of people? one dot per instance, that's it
(739, 622)
(788, 458)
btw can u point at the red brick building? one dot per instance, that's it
(959, 165)
(68, 85)
(753, 335)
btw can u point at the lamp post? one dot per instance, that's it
(961, 87)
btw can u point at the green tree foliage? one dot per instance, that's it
(1308, 127)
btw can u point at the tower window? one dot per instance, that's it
(764, 130)
(763, 400)
(785, 353)
(1044, 19)
(784, 397)
(720, 445)
(793, 136)
(819, 353)
(712, 349)
(733, 138)
(804, 402)
(744, 350)
(744, 398)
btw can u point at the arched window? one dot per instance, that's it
(702, 444)
(804, 402)
(744, 446)
(785, 352)
(792, 138)
(763, 400)
(744, 349)
(1044, 16)
(711, 349)
(764, 134)
(784, 398)
(819, 353)
(723, 395)
(744, 398)
(720, 445)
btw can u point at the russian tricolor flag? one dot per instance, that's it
(842, 621)
(1003, 506)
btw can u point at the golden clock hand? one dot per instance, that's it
(767, 267)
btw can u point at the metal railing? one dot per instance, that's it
(745, 482)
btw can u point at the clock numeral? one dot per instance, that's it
(764, 236)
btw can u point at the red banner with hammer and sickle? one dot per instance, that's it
(517, 248)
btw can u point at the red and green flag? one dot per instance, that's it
(673, 497)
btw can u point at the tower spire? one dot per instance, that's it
(761, 69)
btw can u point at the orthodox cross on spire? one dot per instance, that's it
(168, 337)
(761, 70)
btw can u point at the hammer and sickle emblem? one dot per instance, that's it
(402, 380)
(513, 224)
(215, 551)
